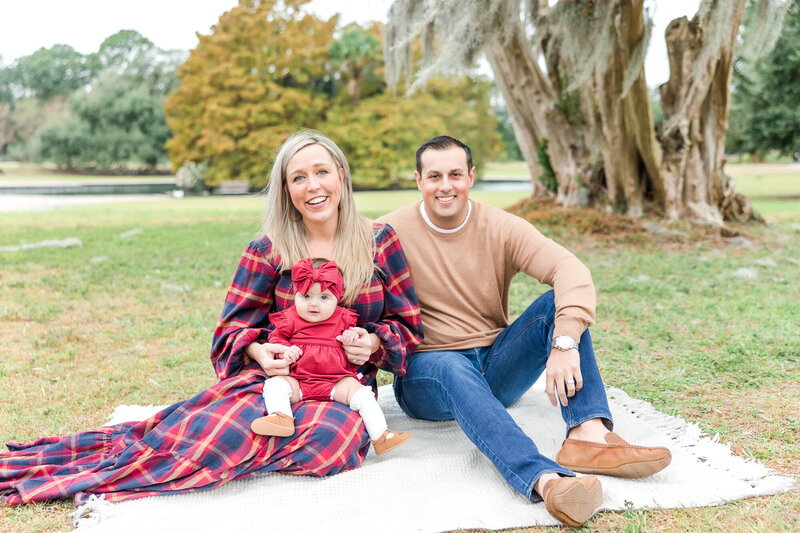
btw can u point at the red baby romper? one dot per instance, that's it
(323, 362)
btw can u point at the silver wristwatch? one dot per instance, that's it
(564, 343)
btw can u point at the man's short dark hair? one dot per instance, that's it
(442, 142)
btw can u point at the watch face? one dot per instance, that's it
(564, 343)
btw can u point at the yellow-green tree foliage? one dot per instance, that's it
(381, 136)
(266, 71)
(245, 86)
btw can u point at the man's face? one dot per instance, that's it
(445, 182)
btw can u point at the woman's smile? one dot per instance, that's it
(316, 201)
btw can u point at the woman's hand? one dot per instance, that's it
(364, 345)
(264, 355)
(563, 375)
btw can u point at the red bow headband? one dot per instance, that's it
(304, 275)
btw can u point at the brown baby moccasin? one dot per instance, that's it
(274, 425)
(389, 441)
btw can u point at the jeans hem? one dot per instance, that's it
(533, 495)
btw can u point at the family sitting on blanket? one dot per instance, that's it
(472, 364)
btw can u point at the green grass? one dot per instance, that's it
(766, 181)
(511, 169)
(774, 189)
(128, 320)
(778, 210)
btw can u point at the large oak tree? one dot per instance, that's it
(573, 80)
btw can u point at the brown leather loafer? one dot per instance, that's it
(573, 500)
(389, 441)
(615, 458)
(274, 425)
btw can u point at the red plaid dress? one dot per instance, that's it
(206, 441)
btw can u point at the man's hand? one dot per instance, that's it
(264, 355)
(364, 345)
(563, 375)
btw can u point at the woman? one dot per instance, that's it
(206, 441)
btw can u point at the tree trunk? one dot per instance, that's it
(355, 86)
(611, 149)
(6, 126)
(532, 105)
(696, 101)
(517, 100)
(630, 152)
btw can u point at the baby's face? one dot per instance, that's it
(316, 305)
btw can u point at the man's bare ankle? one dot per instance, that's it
(542, 482)
(592, 430)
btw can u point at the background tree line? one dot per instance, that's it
(98, 112)
(765, 103)
(268, 68)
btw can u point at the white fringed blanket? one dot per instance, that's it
(439, 481)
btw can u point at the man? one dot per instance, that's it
(462, 256)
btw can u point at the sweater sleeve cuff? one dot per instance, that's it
(245, 339)
(574, 327)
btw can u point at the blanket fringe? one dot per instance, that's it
(92, 512)
(131, 413)
(705, 448)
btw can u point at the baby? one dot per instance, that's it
(320, 369)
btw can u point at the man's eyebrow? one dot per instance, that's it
(437, 171)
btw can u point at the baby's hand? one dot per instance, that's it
(349, 336)
(292, 354)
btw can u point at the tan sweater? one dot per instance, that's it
(462, 279)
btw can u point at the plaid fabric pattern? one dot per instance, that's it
(206, 441)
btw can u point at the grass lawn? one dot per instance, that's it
(127, 318)
(511, 169)
(766, 180)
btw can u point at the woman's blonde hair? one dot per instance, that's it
(354, 243)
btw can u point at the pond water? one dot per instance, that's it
(161, 187)
(84, 188)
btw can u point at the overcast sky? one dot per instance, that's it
(27, 25)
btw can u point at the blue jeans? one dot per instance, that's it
(475, 385)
